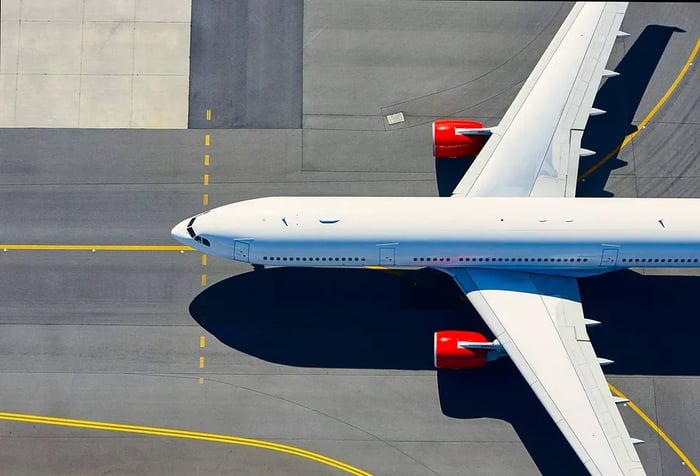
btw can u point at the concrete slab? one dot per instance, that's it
(91, 38)
(110, 10)
(9, 46)
(55, 11)
(159, 102)
(161, 48)
(8, 90)
(169, 11)
(50, 47)
(47, 100)
(108, 48)
(9, 10)
(101, 103)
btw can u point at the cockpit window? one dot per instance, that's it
(191, 232)
(205, 242)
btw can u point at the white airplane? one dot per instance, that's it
(512, 236)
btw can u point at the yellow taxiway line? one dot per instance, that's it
(651, 114)
(97, 247)
(192, 435)
(658, 430)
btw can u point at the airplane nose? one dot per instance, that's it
(179, 232)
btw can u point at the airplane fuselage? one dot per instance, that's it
(567, 236)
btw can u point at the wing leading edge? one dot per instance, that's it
(539, 321)
(535, 149)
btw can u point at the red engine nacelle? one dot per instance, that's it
(448, 355)
(447, 144)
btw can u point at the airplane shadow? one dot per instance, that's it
(369, 319)
(620, 97)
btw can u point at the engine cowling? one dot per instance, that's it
(447, 144)
(449, 355)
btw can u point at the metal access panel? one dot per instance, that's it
(609, 257)
(240, 251)
(386, 256)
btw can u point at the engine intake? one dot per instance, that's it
(458, 138)
(464, 350)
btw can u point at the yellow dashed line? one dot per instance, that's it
(208, 115)
(658, 430)
(202, 342)
(651, 114)
(207, 140)
(206, 179)
(206, 160)
(192, 435)
(205, 199)
(201, 362)
(204, 279)
(96, 247)
(204, 260)
(201, 380)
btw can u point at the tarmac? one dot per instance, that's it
(335, 362)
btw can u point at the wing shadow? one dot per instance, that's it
(620, 97)
(499, 391)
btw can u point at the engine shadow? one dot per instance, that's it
(620, 97)
(448, 173)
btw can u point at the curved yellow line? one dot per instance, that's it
(651, 114)
(97, 247)
(658, 430)
(192, 435)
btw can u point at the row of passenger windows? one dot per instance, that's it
(505, 259)
(297, 258)
(661, 260)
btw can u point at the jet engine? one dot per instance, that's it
(458, 138)
(464, 350)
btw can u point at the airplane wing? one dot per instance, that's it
(539, 321)
(535, 149)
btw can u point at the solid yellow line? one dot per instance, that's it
(204, 279)
(651, 114)
(205, 199)
(201, 362)
(206, 179)
(202, 341)
(207, 140)
(206, 160)
(234, 440)
(204, 260)
(658, 430)
(208, 114)
(97, 247)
